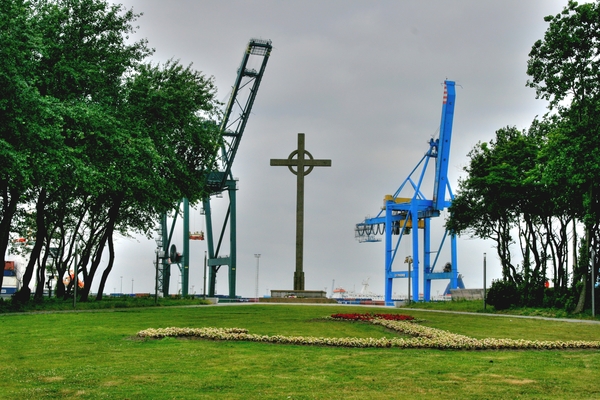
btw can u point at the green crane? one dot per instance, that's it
(232, 127)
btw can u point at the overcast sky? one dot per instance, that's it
(363, 81)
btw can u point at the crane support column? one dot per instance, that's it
(185, 273)
(212, 269)
(415, 244)
(426, 258)
(231, 188)
(454, 277)
(389, 278)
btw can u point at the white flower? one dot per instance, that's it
(422, 337)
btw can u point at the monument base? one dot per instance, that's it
(298, 280)
(298, 294)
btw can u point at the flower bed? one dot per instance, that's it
(422, 337)
(369, 317)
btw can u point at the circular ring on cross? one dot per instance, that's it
(294, 154)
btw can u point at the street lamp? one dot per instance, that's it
(121, 285)
(408, 260)
(257, 266)
(484, 278)
(593, 253)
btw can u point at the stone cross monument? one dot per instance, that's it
(304, 166)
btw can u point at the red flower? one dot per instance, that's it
(368, 317)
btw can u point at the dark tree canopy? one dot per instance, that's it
(98, 139)
(541, 186)
(565, 69)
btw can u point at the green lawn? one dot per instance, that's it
(89, 355)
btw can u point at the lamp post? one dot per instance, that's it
(484, 278)
(75, 270)
(132, 286)
(121, 285)
(593, 283)
(156, 279)
(257, 266)
(408, 260)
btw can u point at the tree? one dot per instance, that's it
(169, 109)
(80, 62)
(491, 200)
(564, 70)
(29, 122)
(103, 141)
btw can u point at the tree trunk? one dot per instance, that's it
(24, 293)
(582, 294)
(574, 249)
(113, 213)
(582, 274)
(111, 261)
(41, 278)
(9, 207)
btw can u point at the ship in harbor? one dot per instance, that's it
(365, 296)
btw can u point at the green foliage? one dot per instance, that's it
(564, 64)
(500, 191)
(564, 70)
(542, 184)
(169, 105)
(503, 294)
(531, 290)
(93, 138)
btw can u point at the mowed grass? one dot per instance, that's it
(90, 355)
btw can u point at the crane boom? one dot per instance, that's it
(238, 110)
(443, 154)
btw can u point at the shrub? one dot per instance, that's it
(502, 295)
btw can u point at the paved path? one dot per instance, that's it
(585, 321)
(573, 320)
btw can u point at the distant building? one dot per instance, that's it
(10, 284)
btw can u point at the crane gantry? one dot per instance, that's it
(398, 213)
(234, 122)
(232, 127)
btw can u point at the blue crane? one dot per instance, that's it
(398, 213)
(235, 117)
